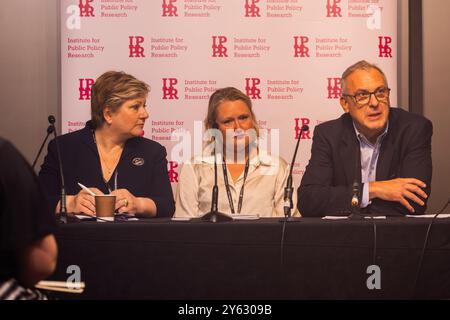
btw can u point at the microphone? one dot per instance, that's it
(355, 211)
(356, 186)
(214, 215)
(50, 129)
(51, 119)
(288, 190)
(355, 190)
(63, 207)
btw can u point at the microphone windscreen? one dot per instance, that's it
(305, 128)
(51, 119)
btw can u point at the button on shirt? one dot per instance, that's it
(369, 159)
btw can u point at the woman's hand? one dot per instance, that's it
(83, 202)
(126, 202)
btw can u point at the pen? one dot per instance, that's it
(87, 189)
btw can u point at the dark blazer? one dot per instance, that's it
(326, 186)
(142, 169)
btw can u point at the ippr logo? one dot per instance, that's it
(85, 88)
(86, 10)
(334, 88)
(219, 50)
(136, 50)
(333, 10)
(251, 9)
(169, 90)
(251, 87)
(169, 9)
(384, 48)
(173, 171)
(300, 49)
(299, 123)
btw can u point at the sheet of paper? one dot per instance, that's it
(83, 217)
(335, 218)
(441, 216)
(245, 217)
(180, 218)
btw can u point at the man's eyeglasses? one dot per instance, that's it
(363, 98)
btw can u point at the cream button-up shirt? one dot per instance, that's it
(263, 192)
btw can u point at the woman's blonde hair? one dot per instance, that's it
(111, 90)
(222, 95)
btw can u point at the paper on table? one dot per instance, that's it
(233, 216)
(441, 216)
(119, 217)
(181, 218)
(347, 217)
(335, 218)
(83, 217)
(61, 286)
(245, 216)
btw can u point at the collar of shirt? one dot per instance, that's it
(362, 138)
(258, 157)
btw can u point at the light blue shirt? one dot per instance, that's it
(369, 159)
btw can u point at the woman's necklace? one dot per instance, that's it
(109, 168)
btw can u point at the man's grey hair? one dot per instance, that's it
(360, 65)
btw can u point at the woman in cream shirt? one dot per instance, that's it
(250, 180)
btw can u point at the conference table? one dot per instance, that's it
(306, 258)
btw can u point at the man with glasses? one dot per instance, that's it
(374, 158)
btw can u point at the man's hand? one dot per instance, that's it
(399, 190)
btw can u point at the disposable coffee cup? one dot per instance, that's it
(105, 205)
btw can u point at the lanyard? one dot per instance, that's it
(115, 182)
(227, 186)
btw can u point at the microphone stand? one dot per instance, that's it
(63, 207)
(288, 203)
(214, 215)
(355, 211)
(289, 190)
(49, 132)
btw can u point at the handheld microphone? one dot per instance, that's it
(50, 129)
(63, 207)
(288, 190)
(214, 215)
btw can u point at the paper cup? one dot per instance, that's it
(105, 206)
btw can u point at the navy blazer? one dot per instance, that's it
(142, 169)
(326, 186)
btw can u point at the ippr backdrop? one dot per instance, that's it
(287, 55)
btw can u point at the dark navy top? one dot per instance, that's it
(142, 169)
